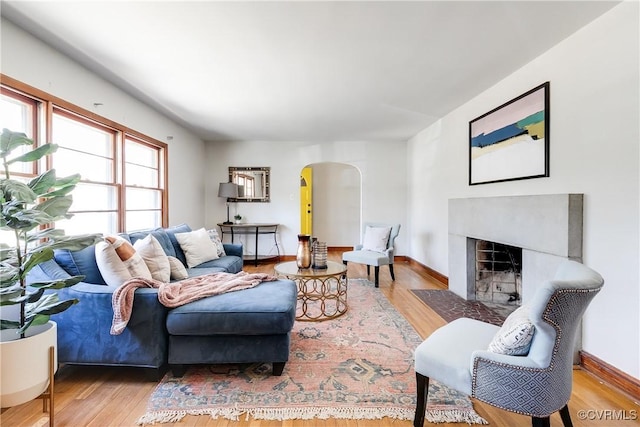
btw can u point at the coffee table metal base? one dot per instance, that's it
(322, 293)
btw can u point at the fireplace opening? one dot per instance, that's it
(498, 275)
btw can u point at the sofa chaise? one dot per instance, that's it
(246, 326)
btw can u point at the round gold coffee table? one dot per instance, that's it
(322, 293)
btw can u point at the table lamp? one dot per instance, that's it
(228, 190)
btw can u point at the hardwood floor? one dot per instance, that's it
(103, 396)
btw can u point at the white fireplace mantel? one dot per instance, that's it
(548, 228)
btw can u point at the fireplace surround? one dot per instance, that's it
(548, 228)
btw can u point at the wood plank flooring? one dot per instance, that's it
(103, 396)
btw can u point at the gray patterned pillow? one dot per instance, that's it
(514, 337)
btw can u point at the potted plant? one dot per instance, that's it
(29, 210)
(238, 218)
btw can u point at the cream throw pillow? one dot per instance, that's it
(153, 255)
(376, 238)
(118, 261)
(514, 337)
(178, 272)
(197, 247)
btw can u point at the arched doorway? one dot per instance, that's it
(336, 201)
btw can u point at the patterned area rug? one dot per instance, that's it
(451, 306)
(358, 366)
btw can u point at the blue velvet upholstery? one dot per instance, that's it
(266, 309)
(81, 262)
(251, 325)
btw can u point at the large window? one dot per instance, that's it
(123, 173)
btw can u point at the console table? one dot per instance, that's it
(253, 229)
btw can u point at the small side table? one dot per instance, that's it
(252, 229)
(322, 293)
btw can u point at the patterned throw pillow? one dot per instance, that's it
(514, 337)
(215, 238)
(118, 261)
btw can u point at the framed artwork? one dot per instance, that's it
(511, 141)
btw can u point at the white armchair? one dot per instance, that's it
(375, 249)
(536, 384)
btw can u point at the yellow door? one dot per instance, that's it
(306, 214)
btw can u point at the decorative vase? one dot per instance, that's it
(24, 365)
(303, 255)
(319, 255)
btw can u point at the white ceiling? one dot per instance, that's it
(312, 71)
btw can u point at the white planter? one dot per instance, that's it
(24, 363)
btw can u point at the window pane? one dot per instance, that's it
(90, 167)
(79, 136)
(139, 198)
(141, 220)
(94, 197)
(141, 154)
(141, 175)
(18, 116)
(92, 222)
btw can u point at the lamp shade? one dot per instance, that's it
(228, 190)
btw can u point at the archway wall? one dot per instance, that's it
(382, 167)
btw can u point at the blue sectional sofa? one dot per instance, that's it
(251, 325)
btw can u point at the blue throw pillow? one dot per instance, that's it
(82, 262)
(171, 232)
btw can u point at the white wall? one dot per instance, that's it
(30, 61)
(336, 203)
(594, 139)
(381, 165)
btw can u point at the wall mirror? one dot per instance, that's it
(253, 183)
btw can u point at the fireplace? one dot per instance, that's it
(498, 276)
(547, 228)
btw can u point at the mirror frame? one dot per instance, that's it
(267, 184)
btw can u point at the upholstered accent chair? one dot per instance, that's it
(537, 383)
(376, 248)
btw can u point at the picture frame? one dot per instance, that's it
(511, 142)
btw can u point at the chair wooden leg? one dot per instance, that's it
(422, 384)
(393, 277)
(540, 422)
(377, 274)
(566, 416)
(368, 270)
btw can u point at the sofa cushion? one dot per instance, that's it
(197, 247)
(159, 234)
(376, 239)
(215, 238)
(229, 263)
(80, 263)
(171, 232)
(266, 309)
(118, 261)
(154, 257)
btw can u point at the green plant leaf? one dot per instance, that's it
(58, 284)
(36, 257)
(17, 191)
(49, 233)
(56, 207)
(9, 274)
(43, 182)
(67, 180)
(34, 155)
(28, 297)
(74, 243)
(9, 324)
(9, 141)
(10, 295)
(49, 304)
